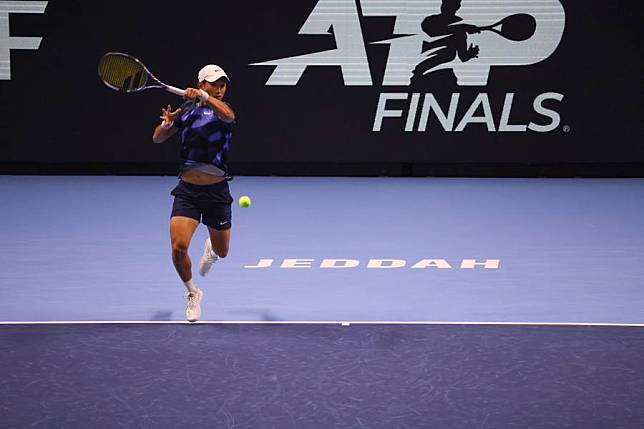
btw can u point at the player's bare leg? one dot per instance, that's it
(181, 231)
(216, 247)
(220, 241)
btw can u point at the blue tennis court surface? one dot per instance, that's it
(322, 376)
(559, 251)
(454, 294)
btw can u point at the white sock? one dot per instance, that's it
(191, 286)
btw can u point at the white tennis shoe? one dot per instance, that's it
(207, 259)
(193, 309)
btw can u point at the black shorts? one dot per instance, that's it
(208, 204)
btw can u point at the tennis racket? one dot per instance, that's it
(518, 27)
(124, 73)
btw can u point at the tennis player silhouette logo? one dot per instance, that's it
(449, 40)
(433, 42)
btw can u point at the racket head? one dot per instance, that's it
(518, 27)
(123, 72)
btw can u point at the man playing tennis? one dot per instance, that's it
(449, 38)
(202, 195)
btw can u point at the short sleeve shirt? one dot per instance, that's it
(205, 138)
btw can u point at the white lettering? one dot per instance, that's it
(481, 102)
(488, 263)
(406, 47)
(381, 111)
(405, 51)
(7, 43)
(437, 263)
(263, 263)
(469, 118)
(430, 103)
(505, 116)
(339, 263)
(341, 19)
(330, 263)
(297, 263)
(411, 116)
(386, 263)
(554, 116)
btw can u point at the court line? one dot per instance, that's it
(308, 322)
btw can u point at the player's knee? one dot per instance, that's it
(222, 252)
(179, 250)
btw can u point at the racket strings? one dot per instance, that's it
(122, 72)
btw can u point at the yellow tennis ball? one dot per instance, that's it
(244, 201)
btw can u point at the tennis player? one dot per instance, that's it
(205, 123)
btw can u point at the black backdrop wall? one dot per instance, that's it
(568, 95)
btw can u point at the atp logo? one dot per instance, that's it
(7, 43)
(455, 40)
(438, 46)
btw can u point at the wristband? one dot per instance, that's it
(166, 125)
(204, 96)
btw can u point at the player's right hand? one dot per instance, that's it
(168, 115)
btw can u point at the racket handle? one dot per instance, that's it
(175, 90)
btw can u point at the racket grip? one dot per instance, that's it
(175, 90)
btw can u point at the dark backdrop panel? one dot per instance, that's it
(55, 109)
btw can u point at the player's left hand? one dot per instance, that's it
(168, 115)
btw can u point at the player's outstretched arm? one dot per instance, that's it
(165, 129)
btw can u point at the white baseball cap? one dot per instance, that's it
(211, 73)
